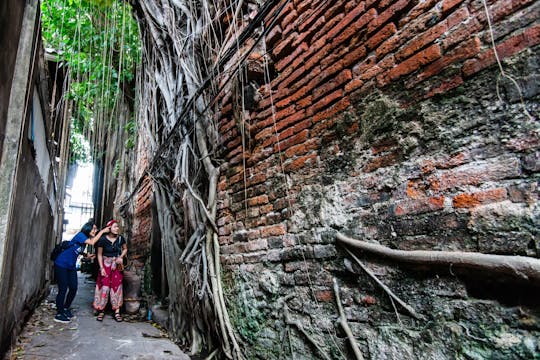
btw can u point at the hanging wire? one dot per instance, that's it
(501, 69)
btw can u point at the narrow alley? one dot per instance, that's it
(85, 338)
(270, 179)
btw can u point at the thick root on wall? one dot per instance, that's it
(517, 267)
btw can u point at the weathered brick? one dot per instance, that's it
(301, 266)
(353, 85)
(519, 20)
(302, 6)
(515, 44)
(293, 140)
(444, 86)
(265, 133)
(479, 198)
(325, 102)
(346, 21)
(422, 7)
(501, 9)
(256, 245)
(460, 33)
(309, 18)
(269, 18)
(273, 36)
(339, 80)
(286, 80)
(289, 18)
(329, 25)
(353, 57)
(524, 192)
(421, 41)
(303, 148)
(285, 47)
(290, 120)
(324, 295)
(476, 173)
(300, 83)
(255, 179)
(232, 259)
(302, 48)
(304, 103)
(273, 230)
(355, 28)
(383, 34)
(308, 36)
(324, 251)
(448, 5)
(387, 15)
(255, 257)
(237, 248)
(337, 108)
(298, 163)
(413, 63)
(259, 200)
(291, 130)
(419, 206)
(460, 16)
(466, 51)
(382, 161)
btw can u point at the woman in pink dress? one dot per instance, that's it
(111, 250)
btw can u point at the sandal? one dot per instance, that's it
(100, 316)
(118, 317)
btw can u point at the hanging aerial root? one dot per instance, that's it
(518, 267)
(345, 325)
(389, 292)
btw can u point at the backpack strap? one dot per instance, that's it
(118, 244)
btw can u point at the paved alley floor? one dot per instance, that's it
(86, 338)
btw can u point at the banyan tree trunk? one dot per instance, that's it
(183, 43)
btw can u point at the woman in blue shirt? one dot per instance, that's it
(65, 270)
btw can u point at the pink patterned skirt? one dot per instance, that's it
(109, 286)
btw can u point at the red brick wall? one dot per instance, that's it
(142, 224)
(382, 120)
(327, 55)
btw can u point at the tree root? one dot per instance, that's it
(345, 325)
(518, 267)
(409, 309)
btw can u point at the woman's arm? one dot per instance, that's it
(100, 261)
(123, 254)
(92, 241)
(124, 250)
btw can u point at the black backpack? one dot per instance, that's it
(60, 248)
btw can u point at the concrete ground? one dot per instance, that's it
(85, 338)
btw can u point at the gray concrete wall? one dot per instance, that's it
(26, 270)
(10, 22)
(26, 211)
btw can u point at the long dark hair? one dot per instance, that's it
(87, 228)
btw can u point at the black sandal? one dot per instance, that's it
(100, 316)
(118, 317)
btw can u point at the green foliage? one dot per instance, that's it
(80, 149)
(99, 41)
(131, 129)
(117, 168)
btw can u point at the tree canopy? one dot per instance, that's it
(99, 41)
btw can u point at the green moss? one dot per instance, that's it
(147, 278)
(245, 315)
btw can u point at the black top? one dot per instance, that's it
(111, 249)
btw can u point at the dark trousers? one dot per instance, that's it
(67, 282)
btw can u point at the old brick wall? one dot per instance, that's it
(142, 224)
(389, 121)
